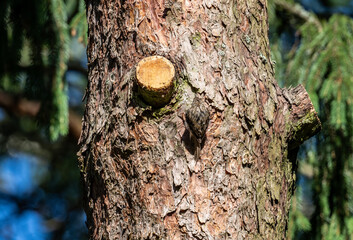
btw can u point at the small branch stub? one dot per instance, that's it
(155, 77)
(304, 120)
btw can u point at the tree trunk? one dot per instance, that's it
(137, 162)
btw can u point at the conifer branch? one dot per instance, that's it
(298, 11)
(21, 106)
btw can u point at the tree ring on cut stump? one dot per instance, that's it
(155, 77)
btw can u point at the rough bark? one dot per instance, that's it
(140, 177)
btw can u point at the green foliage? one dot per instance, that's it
(59, 58)
(34, 41)
(335, 3)
(322, 61)
(298, 222)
